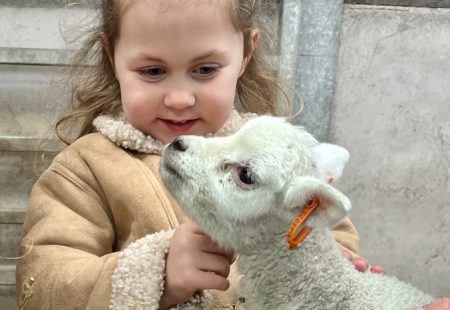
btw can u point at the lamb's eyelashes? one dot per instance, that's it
(242, 175)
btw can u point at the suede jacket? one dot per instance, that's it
(99, 224)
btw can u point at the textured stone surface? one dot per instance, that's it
(392, 111)
(9, 248)
(18, 171)
(41, 28)
(8, 297)
(82, 3)
(416, 3)
(47, 3)
(40, 35)
(27, 107)
(34, 56)
(310, 41)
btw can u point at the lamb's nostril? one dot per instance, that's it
(178, 145)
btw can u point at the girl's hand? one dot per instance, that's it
(194, 263)
(361, 264)
(440, 304)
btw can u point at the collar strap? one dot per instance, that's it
(295, 239)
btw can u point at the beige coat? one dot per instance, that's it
(97, 229)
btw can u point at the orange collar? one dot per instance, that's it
(295, 240)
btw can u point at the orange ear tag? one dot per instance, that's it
(294, 240)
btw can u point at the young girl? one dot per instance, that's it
(100, 229)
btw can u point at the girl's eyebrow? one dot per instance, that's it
(149, 57)
(212, 53)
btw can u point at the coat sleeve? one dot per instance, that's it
(67, 246)
(346, 236)
(69, 257)
(72, 254)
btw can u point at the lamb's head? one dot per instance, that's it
(247, 186)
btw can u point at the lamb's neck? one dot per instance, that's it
(316, 265)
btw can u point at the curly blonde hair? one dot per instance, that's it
(95, 90)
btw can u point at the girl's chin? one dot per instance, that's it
(166, 135)
(169, 138)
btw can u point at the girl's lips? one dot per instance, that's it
(179, 127)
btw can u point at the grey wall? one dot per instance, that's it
(32, 57)
(417, 3)
(309, 51)
(392, 111)
(47, 3)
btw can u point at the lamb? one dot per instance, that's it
(245, 191)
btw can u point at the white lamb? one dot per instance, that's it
(245, 191)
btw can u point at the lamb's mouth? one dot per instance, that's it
(172, 171)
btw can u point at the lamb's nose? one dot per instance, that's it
(178, 145)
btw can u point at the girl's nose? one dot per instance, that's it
(179, 100)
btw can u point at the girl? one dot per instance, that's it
(100, 230)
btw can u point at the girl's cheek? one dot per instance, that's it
(224, 97)
(138, 101)
(224, 91)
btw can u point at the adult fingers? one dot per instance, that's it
(347, 255)
(377, 269)
(360, 264)
(440, 304)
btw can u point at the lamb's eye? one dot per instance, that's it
(245, 176)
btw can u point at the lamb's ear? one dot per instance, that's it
(330, 161)
(333, 205)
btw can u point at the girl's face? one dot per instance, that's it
(177, 63)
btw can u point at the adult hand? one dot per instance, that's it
(194, 263)
(361, 264)
(440, 304)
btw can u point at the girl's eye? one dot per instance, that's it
(154, 72)
(205, 71)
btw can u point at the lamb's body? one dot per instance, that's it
(316, 276)
(246, 189)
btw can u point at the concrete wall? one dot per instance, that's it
(32, 55)
(392, 111)
(47, 3)
(417, 3)
(309, 52)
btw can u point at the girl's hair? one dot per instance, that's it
(95, 90)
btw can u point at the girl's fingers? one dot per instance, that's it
(200, 280)
(192, 226)
(214, 263)
(214, 249)
(207, 245)
(211, 280)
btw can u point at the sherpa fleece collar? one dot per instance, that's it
(121, 132)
